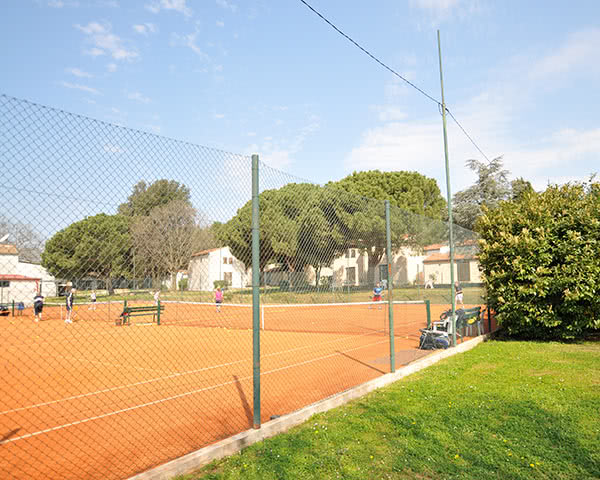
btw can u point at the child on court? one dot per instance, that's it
(93, 300)
(218, 298)
(156, 297)
(69, 299)
(20, 308)
(459, 294)
(377, 292)
(38, 306)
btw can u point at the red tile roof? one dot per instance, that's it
(435, 246)
(445, 257)
(18, 278)
(7, 249)
(204, 252)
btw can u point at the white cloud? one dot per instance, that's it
(280, 154)
(220, 24)
(138, 97)
(83, 88)
(78, 73)
(190, 42)
(144, 28)
(218, 116)
(579, 51)
(61, 4)
(111, 67)
(154, 128)
(176, 5)
(495, 120)
(438, 11)
(106, 42)
(227, 5)
(110, 148)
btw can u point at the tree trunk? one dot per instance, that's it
(109, 286)
(375, 257)
(173, 281)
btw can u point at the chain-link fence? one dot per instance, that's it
(127, 294)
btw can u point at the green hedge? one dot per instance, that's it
(541, 262)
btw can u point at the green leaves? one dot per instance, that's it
(97, 246)
(541, 259)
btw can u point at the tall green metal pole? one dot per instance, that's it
(388, 235)
(255, 293)
(449, 194)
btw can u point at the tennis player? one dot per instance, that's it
(69, 299)
(38, 306)
(377, 292)
(218, 298)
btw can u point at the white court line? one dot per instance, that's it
(121, 387)
(174, 397)
(174, 375)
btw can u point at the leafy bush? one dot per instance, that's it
(183, 284)
(220, 284)
(541, 262)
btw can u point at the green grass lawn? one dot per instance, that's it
(504, 410)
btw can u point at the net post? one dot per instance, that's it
(13, 307)
(428, 307)
(158, 312)
(255, 294)
(388, 236)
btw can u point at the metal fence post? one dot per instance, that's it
(388, 236)
(255, 293)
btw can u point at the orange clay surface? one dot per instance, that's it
(98, 401)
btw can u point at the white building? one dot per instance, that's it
(353, 268)
(466, 264)
(19, 281)
(214, 264)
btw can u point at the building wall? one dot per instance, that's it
(442, 272)
(19, 291)
(24, 290)
(205, 269)
(9, 264)
(48, 284)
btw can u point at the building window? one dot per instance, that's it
(352, 253)
(4, 283)
(351, 275)
(227, 276)
(230, 260)
(464, 272)
(224, 260)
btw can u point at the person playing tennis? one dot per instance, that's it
(377, 294)
(69, 299)
(38, 306)
(218, 298)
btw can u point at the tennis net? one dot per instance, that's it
(337, 318)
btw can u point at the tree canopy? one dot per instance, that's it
(410, 191)
(490, 188)
(146, 197)
(98, 246)
(29, 243)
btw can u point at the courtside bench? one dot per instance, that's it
(141, 311)
(465, 318)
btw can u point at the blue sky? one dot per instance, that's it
(270, 77)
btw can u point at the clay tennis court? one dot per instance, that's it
(96, 400)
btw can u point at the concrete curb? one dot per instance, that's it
(194, 460)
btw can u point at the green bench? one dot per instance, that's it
(465, 318)
(145, 310)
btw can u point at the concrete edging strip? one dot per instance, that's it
(194, 460)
